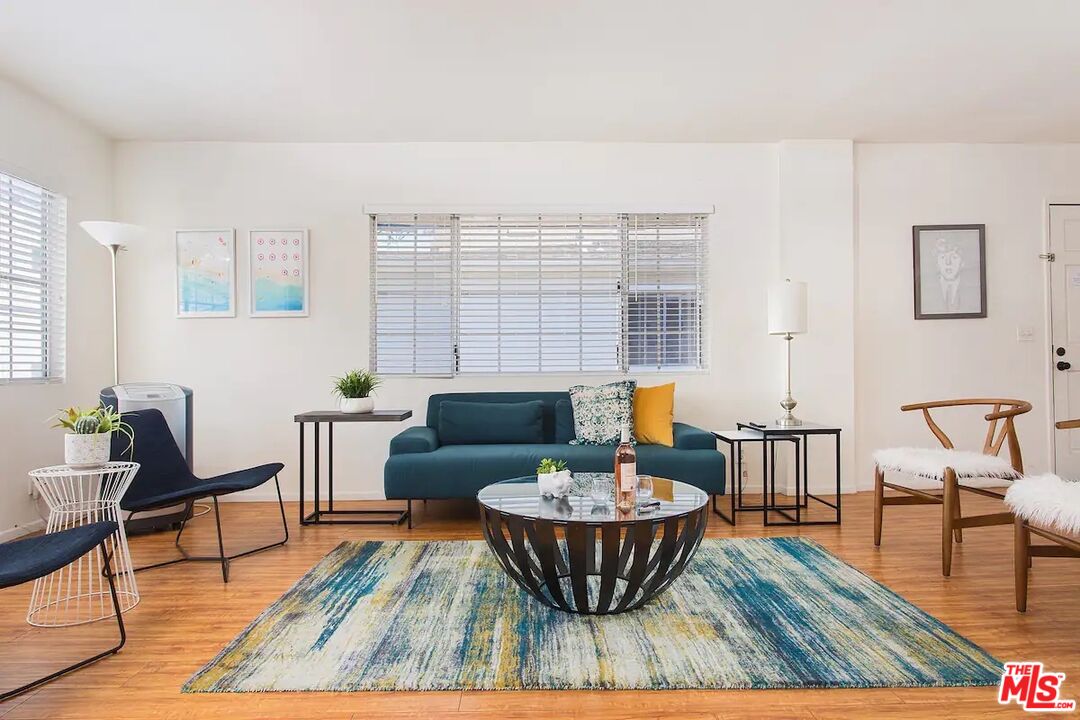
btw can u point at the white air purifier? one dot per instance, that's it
(174, 402)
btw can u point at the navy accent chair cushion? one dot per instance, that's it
(164, 478)
(29, 559)
(564, 421)
(423, 465)
(486, 423)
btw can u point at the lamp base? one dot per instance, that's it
(788, 420)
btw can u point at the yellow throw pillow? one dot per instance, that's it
(654, 411)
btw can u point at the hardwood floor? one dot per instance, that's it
(187, 615)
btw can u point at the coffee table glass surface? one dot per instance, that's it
(581, 555)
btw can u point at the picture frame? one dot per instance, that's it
(949, 268)
(279, 283)
(205, 273)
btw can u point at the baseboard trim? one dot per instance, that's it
(19, 530)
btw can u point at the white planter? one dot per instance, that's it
(87, 451)
(357, 405)
(556, 484)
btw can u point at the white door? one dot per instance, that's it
(1065, 332)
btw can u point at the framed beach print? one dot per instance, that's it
(950, 271)
(278, 269)
(205, 273)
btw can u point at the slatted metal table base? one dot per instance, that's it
(593, 568)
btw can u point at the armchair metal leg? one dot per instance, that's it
(107, 571)
(221, 557)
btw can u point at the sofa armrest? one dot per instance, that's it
(688, 437)
(417, 439)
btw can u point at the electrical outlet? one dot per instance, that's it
(1025, 333)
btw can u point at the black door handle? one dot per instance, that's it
(1063, 365)
(1061, 352)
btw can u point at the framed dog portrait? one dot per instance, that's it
(950, 271)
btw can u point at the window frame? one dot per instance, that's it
(623, 291)
(52, 308)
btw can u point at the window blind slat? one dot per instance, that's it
(33, 223)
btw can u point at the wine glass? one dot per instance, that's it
(644, 488)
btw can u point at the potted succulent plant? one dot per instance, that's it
(553, 478)
(354, 391)
(89, 440)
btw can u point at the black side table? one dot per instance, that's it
(807, 429)
(330, 417)
(735, 440)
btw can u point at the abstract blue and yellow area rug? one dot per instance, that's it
(753, 613)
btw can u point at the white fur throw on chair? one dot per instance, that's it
(1047, 501)
(931, 463)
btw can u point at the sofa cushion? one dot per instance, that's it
(600, 413)
(654, 411)
(460, 471)
(547, 398)
(470, 423)
(564, 421)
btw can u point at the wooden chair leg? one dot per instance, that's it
(958, 533)
(879, 502)
(1021, 561)
(947, 515)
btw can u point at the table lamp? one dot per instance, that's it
(114, 236)
(787, 317)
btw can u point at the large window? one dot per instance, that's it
(33, 224)
(457, 294)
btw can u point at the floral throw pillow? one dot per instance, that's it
(600, 413)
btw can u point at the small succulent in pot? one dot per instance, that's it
(89, 441)
(553, 478)
(354, 389)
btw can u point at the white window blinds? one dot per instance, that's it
(33, 227)
(461, 294)
(412, 289)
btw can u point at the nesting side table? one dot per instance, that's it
(79, 593)
(321, 509)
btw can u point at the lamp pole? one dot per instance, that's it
(113, 249)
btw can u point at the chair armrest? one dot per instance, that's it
(417, 439)
(688, 437)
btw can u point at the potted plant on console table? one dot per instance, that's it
(354, 391)
(89, 441)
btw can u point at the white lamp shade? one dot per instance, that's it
(112, 234)
(787, 308)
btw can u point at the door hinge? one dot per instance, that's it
(1048, 257)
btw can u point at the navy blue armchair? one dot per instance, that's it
(164, 479)
(32, 558)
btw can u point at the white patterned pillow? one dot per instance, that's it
(600, 413)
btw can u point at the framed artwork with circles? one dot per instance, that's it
(278, 273)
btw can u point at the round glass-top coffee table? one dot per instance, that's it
(584, 556)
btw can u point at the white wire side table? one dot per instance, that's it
(79, 593)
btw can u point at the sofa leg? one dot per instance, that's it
(408, 512)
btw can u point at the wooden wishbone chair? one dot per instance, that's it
(1046, 506)
(955, 469)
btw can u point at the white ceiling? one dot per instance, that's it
(605, 70)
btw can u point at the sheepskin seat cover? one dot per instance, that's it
(1047, 501)
(930, 463)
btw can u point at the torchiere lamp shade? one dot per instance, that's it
(113, 234)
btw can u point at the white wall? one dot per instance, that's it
(251, 375)
(45, 145)
(902, 360)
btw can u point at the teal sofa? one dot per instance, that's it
(474, 451)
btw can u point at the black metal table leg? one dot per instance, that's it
(303, 520)
(330, 465)
(318, 452)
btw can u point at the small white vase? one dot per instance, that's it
(356, 405)
(556, 484)
(87, 451)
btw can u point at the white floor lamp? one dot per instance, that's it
(115, 236)
(787, 317)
